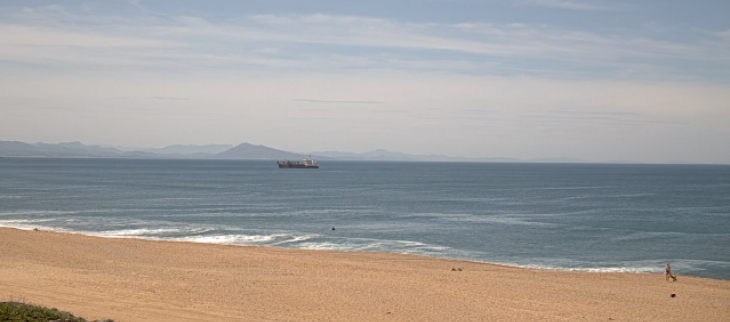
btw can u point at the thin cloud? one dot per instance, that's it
(18, 35)
(167, 98)
(345, 102)
(392, 111)
(174, 43)
(572, 5)
(603, 118)
(593, 113)
(477, 111)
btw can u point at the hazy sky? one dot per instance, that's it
(600, 80)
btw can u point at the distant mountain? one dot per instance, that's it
(78, 148)
(15, 148)
(60, 150)
(496, 160)
(338, 155)
(385, 155)
(247, 151)
(66, 150)
(243, 151)
(179, 149)
(556, 160)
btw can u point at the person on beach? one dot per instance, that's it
(668, 273)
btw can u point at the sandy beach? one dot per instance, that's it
(139, 280)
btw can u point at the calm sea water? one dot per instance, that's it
(592, 217)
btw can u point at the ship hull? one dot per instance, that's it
(307, 164)
(298, 166)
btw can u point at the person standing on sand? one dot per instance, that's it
(668, 273)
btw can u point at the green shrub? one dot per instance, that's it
(21, 312)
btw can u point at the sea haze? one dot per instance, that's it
(590, 217)
(243, 151)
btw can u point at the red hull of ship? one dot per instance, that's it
(298, 165)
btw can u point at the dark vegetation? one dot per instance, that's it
(21, 312)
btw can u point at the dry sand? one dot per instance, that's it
(138, 280)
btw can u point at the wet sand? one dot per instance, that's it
(139, 280)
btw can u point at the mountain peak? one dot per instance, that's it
(248, 151)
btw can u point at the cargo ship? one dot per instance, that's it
(307, 164)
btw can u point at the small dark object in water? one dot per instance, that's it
(333, 228)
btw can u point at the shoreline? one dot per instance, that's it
(132, 279)
(659, 269)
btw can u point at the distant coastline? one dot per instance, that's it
(248, 151)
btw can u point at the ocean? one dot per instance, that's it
(585, 217)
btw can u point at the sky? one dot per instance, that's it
(599, 80)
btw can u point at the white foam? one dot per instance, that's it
(507, 219)
(24, 221)
(294, 239)
(221, 239)
(648, 235)
(239, 239)
(623, 269)
(38, 213)
(30, 225)
(648, 266)
(141, 232)
(378, 245)
(324, 246)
